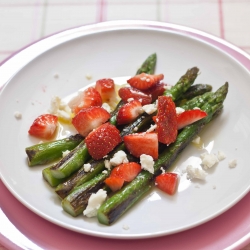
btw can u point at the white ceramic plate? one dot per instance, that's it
(114, 51)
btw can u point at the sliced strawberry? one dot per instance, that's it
(102, 140)
(90, 97)
(44, 126)
(144, 81)
(128, 92)
(156, 90)
(126, 171)
(167, 182)
(166, 120)
(189, 116)
(90, 118)
(129, 112)
(114, 182)
(106, 88)
(142, 143)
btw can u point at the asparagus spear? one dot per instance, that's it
(121, 201)
(78, 192)
(148, 65)
(46, 152)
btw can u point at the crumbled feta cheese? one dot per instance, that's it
(18, 115)
(149, 108)
(87, 167)
(106, 107)
(107, 164)
(152, 128)
(208, 160)
(119, 158)
(104, 171)
(196, 108)
(59, 108)
(168, 87)
(195, 173)
(95, 201)
(147, 163)
(125, 227)
(221, 156)
(56, 75)
(196, 140)
(135, 128)
(163, 170)
(64, 153)
(92, 169)
(232, 163)
(88, 76)
(179, 110)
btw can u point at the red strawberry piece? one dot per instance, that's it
(115, 183)
(90, 118)
(129, 112)
(167, 182)
(144, 81)
(106, 88)
(142, 143)
(128, 92)
(156, 90)
(44, 126)
(90, 97)
(126, 171)
(166, 120)
(189, 116)
(102, 140)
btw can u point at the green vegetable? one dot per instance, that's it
(148, 65)
(47, 152)
(125, 198)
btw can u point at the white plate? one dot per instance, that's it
(116, 50)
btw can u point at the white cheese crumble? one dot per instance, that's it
(17, 115)
(168, 87)
(88, 76)
(107, 164)
(196, 108)
(106, 107)
(152, 128)
(125, 227)
(95, 201)
(147, 163)
(232, 163)
(196, 140)
(59, 108)
(195, 173)
(87, 167)
(221, 156)
(149, 108)
(179, 110)
(64, 153)
(119, 158)
(208, 160)
(104, 171)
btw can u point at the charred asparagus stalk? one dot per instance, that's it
(124, 199)
(47, 152)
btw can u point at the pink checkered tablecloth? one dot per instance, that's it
(25, 21)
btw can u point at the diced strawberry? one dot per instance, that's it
(126, 171)
(129, 112)
(142, 143)
(166, 120)
(144, 81)
(90, 97)
(128, 92)
(102, 140)
(167, 182)
(114, 182)
(189, 116)
(90, 118)
(44, 126)
(106, 88)
(156, 90)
